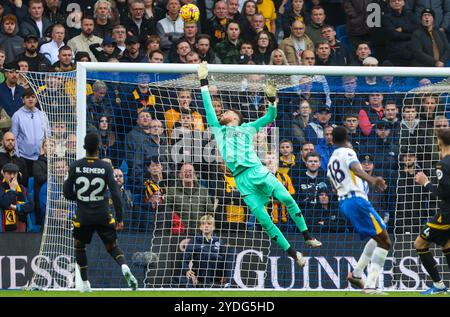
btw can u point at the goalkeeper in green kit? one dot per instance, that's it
(256, 184)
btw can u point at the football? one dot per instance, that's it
(189, 13)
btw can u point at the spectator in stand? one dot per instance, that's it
(217, 25)
(142, 97)
(182, 49)
(102, 14)
(267, 9)
(127, 201)
(278, 58)
(51, 49)
(54, 13)
(159, 139)
(287, 159)
(207, 261)
(204, 50)
(173, 115)
(30, 126)
(64, 63)
(228, 49)
(314, 132)
(246, 51)
(325, 147)
(8, 155)
(327, 216)
(138, 149)
(82, 42)
(314, 29)
(16, 8)
(413, 133)
(351, 124)
(82, 57)
(310, 182)
(183, 138)
(14, 202)
(193, 58)
(9, 40)
(301, 118)
(297, 42)
(110, 146)
(188, 200)
(390, 84)
(152, 44)
(153, 12)
(119, 35)
(390, 117)
(339, 51)
(190, 30)
(35, 24)
(399, 25)
(23, 67)
(324, 56)
(97, 104)
(263, 48)
(37, 62)
(441, 9)
(369, 83)
(170, 29)
(249, 9)
(356, 21)
(257, 25)
(10, 91)
(233, 10)
(107, 50)
(409, 211)
(58, 140)
(133, 52)
(295, 12)
(40, 177)
(346, 100)
(156, 57)
(370, 114)
(361, 53)
(137, 24)
(429, 44)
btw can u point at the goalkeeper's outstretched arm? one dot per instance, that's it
(270, 89)
(209, 109)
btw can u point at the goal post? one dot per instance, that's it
(250, 260)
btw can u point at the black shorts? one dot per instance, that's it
(106, 232)
(435, 231)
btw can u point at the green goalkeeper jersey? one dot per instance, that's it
(235, 143)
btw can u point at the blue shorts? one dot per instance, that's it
(366, 221)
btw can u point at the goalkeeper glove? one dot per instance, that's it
(203, 73)
(270, 89)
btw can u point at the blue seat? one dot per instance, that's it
(344, 40)
(340, 31)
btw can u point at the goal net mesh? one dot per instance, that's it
(154, 131)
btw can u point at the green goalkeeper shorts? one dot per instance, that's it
(258, 181)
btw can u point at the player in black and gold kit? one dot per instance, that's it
(87, 183)
(438, 229)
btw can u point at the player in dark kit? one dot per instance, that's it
(87, 183)
(438, 229)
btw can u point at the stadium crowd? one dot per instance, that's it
(141, 125)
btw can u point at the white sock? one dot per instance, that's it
(365, 258)
(439, 284)
(124, 267)
(377, 264)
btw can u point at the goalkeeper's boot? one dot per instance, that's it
(313, 243)
(300, 260)
(131, 280)
(434, 291)
(356, 282)
(373, 291)
(85, 287)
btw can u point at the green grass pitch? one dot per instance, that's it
(189, 293)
